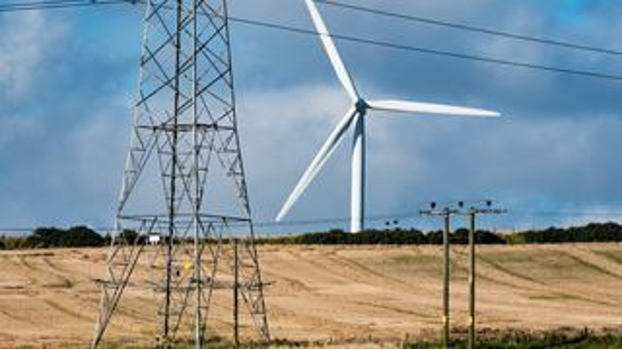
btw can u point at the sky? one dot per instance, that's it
(68, 77)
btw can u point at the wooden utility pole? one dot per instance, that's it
(446, 277)
(446, 214)
(458, 208)
(471, 341)
(472, 212)
(236, 294)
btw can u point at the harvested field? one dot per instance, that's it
(376, 296)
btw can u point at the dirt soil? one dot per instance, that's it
(334, 295)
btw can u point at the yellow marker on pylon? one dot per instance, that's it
(187, 264)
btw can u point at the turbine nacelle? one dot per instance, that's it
(360, 108)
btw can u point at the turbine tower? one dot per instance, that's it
(184, 183)
(355, 118)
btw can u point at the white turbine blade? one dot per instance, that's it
(430, 108)
(331, 50)
(320, 159)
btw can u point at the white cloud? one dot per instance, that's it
(27, 38)
(525, 21)
(281, 133)
(589, 214)
(516, 159)
(414, 159)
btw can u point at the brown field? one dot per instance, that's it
(338, 295)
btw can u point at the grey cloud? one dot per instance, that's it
(554, 147)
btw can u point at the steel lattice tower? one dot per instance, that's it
(185, 131)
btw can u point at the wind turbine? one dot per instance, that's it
(355, 118)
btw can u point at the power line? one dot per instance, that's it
(430, 51)
(377, 218)
(57, 4)
(40, 3)
(46, 4)
(354, 39)
(470, 28)
(335, 220)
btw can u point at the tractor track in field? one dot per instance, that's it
(339, 293)
(13, 316)
(607, 266)
(365, 272)
(538, 289)
(67, 311)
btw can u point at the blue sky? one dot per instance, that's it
(67, 79)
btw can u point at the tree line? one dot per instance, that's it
(594, 232)
(52, 237)
(83, 236)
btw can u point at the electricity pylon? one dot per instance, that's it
(185, 134)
